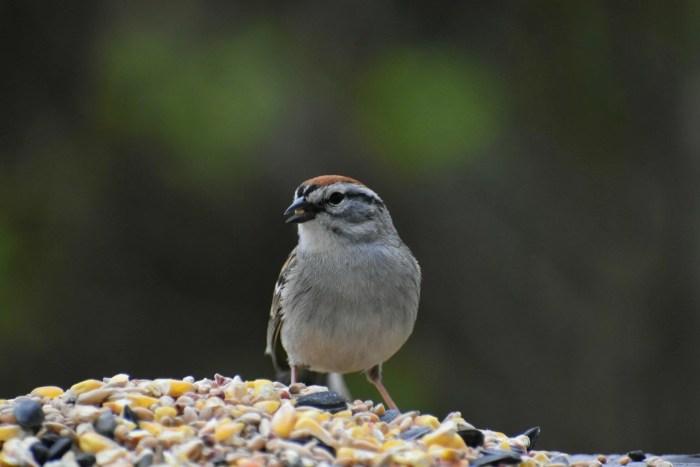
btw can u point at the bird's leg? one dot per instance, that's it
(374, 375)
(294, 374)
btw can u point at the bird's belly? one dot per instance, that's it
(345, 337)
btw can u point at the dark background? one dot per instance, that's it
(540, 159)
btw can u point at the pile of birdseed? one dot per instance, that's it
(228, 421)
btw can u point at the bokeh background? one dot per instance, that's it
(540, 158)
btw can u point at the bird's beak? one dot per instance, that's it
(300, 211)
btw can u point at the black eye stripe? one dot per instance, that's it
(363, 196)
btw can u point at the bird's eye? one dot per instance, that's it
(336, 197)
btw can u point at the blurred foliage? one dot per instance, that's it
(8, 252)
(209, 102)
(429, 108)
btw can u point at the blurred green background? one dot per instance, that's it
(540, 158)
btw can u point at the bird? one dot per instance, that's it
(347, 296)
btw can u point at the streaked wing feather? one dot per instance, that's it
(274, 344)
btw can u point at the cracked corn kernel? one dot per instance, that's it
(151, 427)
(395, 445)
(176, 435)
(427, 420)
(87, 385)
(47, 391)
(175, 388)
(268, 406)
(236, 391)
(110, 456)
(116, 407)
(411, 457)
(228, 429)
(316, 415)
(283, 421)
(624, 460)
(343, 414)
(119, 380)
(445, 436)
(9, 432)
(140, 400)
(166, 411)
(445, 454)
(94, 443)
(541, 457)
(354, 455)
(260, 385)
(315, 430)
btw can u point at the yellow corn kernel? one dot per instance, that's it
(541, 457)
(504, 446)
(177, 388)
(260, 385)
(446, 438)
(268, 406)
(165, 411)
(94, 443)
(316, 430)
(85, 386)
(445, 454)
(9, 432)
(343, 414)
(427, 420)
(529, 463)
(283, 421)
(151, 427)
(115, 406)
(228, 429)
(140, 400)
(47, 391)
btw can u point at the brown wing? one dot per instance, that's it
(274, 345)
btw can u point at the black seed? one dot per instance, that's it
(29, 414)
(49, 438)
(59, 448)
(130, 415)
(328, 448)
(145, 460)
(534, 434)
(389, 415)
(85, 459)
(415, 433)
(329, 401)
(495, 457)
(218, 460)
(39, 451)
(106, 424)
(636, 456)
(472, 437)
